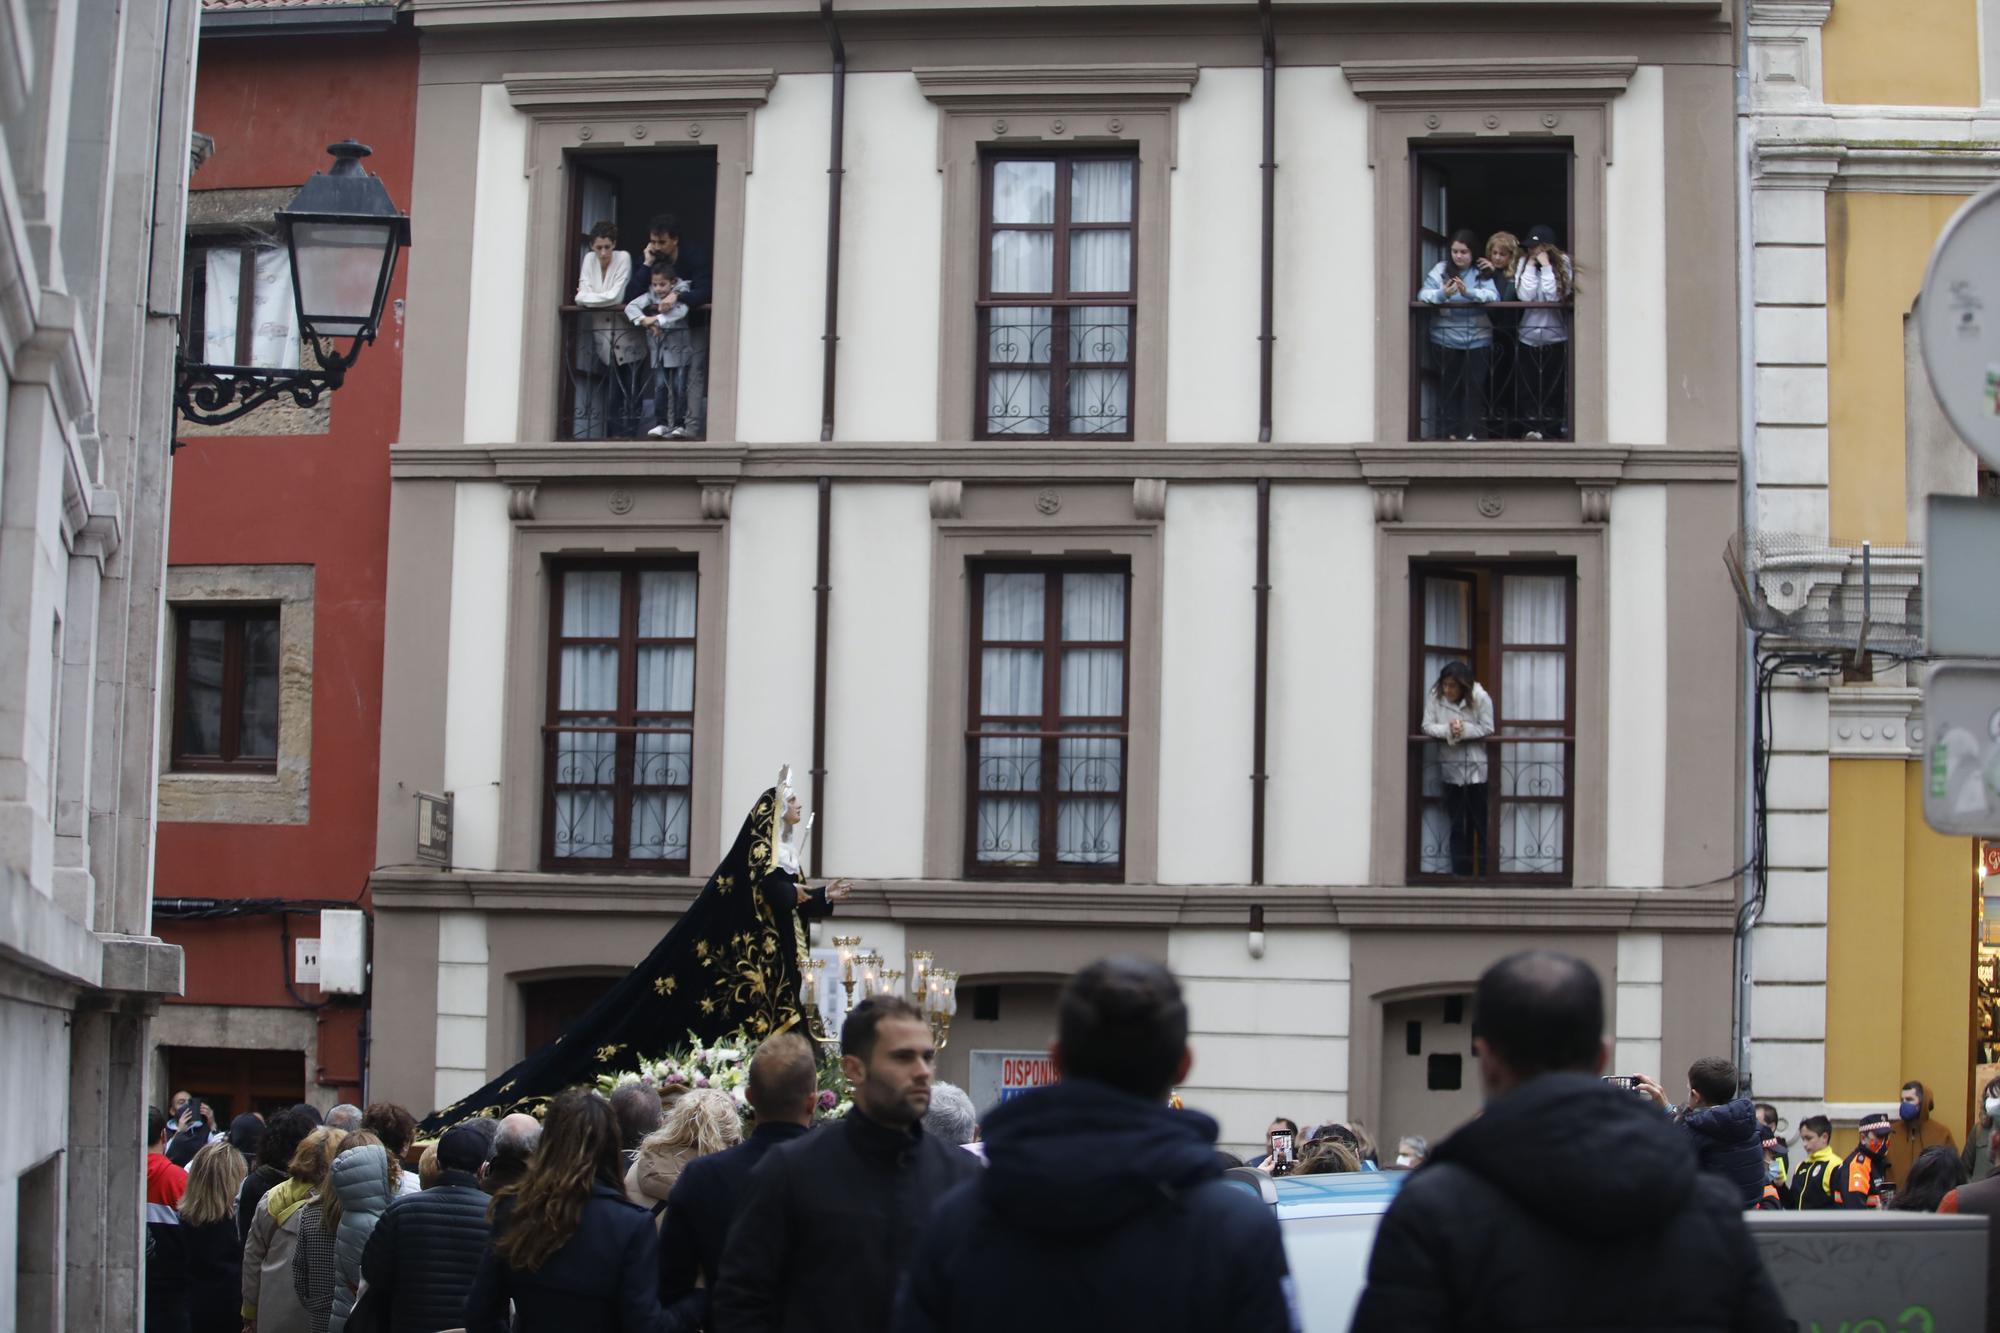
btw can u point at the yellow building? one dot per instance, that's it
(1872, 124)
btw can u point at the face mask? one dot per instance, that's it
(1993, 1108)
(1774, 1171)
(1908, 1111)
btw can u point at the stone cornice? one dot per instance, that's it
(1549, 79)
(1945, 167)
(1874, 721)
(1790, 13)
(657, 90)
(723, 463)
(1149, 905)
(1038, 86)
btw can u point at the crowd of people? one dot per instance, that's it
(912, 1213)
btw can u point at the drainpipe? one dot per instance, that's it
(1261, 700)
(1270, 167)
(822, 587)
(1260, 705)
(834, 172)
(1746, 429)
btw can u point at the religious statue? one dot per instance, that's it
(734, 961)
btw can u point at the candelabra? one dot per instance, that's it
(814, 968)
(920, 974)
(868, 970)
(942, 1003)
(848, 946)
(892, 981)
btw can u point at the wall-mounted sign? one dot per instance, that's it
(1958, 319)
(434, 828)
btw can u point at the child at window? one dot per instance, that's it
(1544, 275)
(1459, 712)
(662, 313)
(1461, 336)
(1503, 252)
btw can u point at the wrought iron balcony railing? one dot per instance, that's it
(618, 796)
(1498, 371)
(1515, 827)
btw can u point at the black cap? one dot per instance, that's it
(1540, 235)
(462, 1148)
(246, 1132)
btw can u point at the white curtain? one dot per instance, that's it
(1448, 631)
(1017, 384)
(1100, 261)
(274, 317)
(665, 685)
(1534, 609)
(1023, 192)
(588, 685)
(1010, 685)
(1091, 772)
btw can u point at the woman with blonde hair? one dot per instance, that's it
(326, 1271)
(702, 1122)
(569, 1250)
(212, 1252)
(270, 1302)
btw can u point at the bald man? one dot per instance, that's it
(513, 1145)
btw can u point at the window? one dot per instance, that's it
(1049, 730)
(240, 307)
(1499, 369)
(1057, 296)
(619, 741)
(617, 380)
(1498, 810)
(226, 689)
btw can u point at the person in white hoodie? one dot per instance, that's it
(1459, 713)
(615, 366)
(1544, 274)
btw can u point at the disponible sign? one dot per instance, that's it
(999, 1076)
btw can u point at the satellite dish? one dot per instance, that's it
(1958, 318)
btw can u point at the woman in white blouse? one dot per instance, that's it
(606, 269)
(616, 349)
(1459, 712)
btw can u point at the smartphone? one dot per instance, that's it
(1626, 1082)
(1281, 1150)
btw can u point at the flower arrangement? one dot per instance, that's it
(725, 1065)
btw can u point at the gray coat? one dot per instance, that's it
(361, 1181)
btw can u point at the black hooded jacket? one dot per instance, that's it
(1568, 1204)
(1729, 1142)
(1114, 1209)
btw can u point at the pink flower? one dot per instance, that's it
(701, 1082)
(827, 1101)
(674, 1078)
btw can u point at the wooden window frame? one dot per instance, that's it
(233, 618)
(628, 724)
(1419, 310)
(1059, 300)
(1048, 726)
(1488, 656)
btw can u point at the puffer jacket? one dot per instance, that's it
(360, 1180)
(1729, 1142)
(421, 1260)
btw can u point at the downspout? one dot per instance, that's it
(1261, 703)
(1261, 699)
(822, 588)
(834, 172)
(1746, 430)
(1270, 168)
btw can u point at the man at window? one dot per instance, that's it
(694, 267)
(1458, 712)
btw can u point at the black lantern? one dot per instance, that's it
(342, 231)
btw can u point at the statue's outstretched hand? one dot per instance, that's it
(838, 890)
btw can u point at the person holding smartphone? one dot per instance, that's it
(1461, 336)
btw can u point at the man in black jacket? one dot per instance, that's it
(1569, 1203)
(1099, 1195)
(783, 1090)
(423, 1255)
(692, 265)
(830, 1220)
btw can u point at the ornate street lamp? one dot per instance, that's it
(342, 231)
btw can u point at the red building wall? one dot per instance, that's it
(272, 106)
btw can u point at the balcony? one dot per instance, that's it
(1496, 371)
(610, 390)
(1514, 828)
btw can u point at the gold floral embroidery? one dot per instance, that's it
(664, 985)
(707, 1005)
(605, 1053)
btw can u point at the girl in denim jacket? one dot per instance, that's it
(1461, 337)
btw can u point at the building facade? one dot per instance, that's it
(1870, 963)
(272, 644)
(1094, 582)
(94, 162)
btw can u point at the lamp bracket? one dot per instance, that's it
(211, 395)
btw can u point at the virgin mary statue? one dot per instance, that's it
(732, 962)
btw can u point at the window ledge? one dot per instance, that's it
(1124, 460)
(1542, 80)
(282, 797)
(1152, 905)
